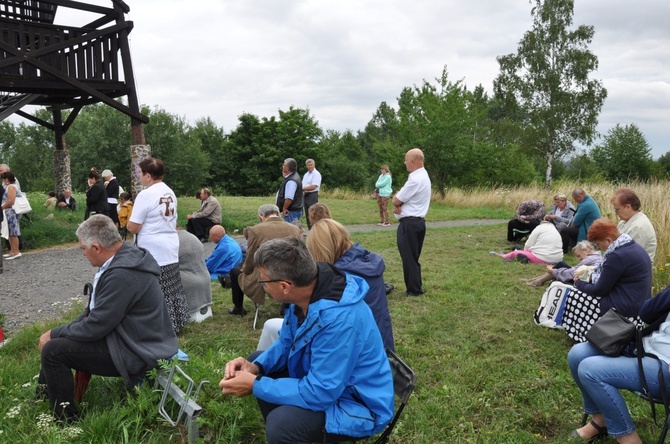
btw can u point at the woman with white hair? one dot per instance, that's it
(563, 272)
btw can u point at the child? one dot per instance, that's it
(125, 209)
(51, 201)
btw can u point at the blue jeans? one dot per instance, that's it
(293, 215)
(600, 377)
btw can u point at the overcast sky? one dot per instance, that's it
(342, 58)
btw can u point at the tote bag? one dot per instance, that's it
(21, 204)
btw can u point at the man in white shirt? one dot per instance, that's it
(311, 183)
(410, 206)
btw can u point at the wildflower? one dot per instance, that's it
(44, 421)
(72, 432)
(13, 412)
(64, 404)
(27, 384)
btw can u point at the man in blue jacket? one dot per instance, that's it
(225, 256)
(328, 370)
(125, 329)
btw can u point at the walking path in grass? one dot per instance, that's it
(43, 284)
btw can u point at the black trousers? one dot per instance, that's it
(518, 225)
(309, 200)
(569, 238)
(411, 233)
(199, 227)
(62, 355)
(235, 289)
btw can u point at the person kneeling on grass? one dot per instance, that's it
(542, 247)
(327, 378)
(124, 330)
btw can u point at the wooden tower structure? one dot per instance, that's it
(66, 67)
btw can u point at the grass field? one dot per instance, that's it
(487, 373)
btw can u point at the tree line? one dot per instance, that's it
(543, 105)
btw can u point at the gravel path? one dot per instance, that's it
(43, 284)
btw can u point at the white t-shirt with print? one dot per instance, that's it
(156, 210)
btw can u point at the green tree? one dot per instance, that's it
(99, 137)
(624, 154)
(344, 164)
(435, 119)
(256, 149)
(546, 83)
(186, 165)
(31, 154)
(212, 139)
(663, 165)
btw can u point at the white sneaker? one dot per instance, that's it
(6, 255)
(380, 224)
(16, 256)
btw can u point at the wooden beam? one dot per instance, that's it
(26, 100)
(36, 120)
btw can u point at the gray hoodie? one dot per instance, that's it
(130, 314)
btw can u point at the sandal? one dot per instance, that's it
(602, 433)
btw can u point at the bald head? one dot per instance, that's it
(414, 159)
(216, 233)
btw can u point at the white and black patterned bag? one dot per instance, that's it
(550, 312)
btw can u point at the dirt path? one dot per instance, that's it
(43, 284)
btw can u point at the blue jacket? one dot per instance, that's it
(370, 266)
(625, 280)
(587, 212)
(225, 256)
(334, 357)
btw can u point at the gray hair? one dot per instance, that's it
(98, 229)
(291, 164)
(308, 161)
(583, 246)
(286, 258)
(266, 210)
(578, 192)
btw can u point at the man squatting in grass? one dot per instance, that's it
(124, 330)
(328, 370)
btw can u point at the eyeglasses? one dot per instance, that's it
(616, 210)
(262, 282)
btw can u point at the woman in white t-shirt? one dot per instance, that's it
(154, 224)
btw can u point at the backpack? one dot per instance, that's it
(550, 312)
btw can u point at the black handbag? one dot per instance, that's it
(611, 333)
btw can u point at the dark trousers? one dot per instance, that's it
(411, 233)
(59, 357)
(199, 227)
(309, 200)
(235, 289)
(113, 214)
(287, 423)
(516, 224)
(569, 238)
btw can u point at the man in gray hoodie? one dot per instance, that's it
(124, 330)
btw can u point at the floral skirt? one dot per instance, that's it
(13, 222)
(173, 293)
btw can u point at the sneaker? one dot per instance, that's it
(16, 256)
(386, 225)
(379, 224)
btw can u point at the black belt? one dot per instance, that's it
(412, 217)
